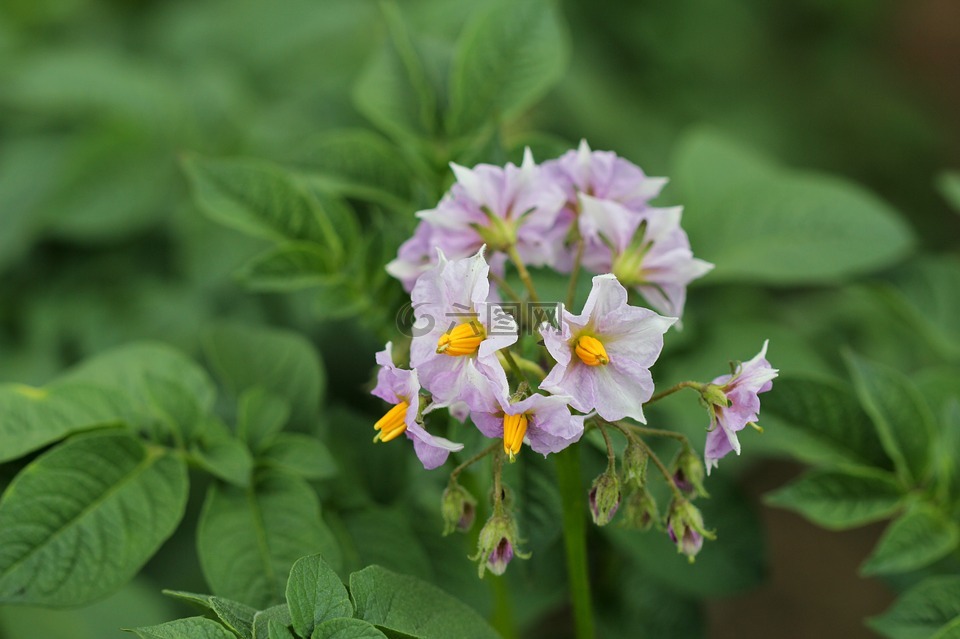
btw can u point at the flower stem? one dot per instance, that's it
(673, 389)
(572, 288)
(625, 428)
(575, 539)
(611, 454)
(658, 432)
(512, 362)
(503, 618)
(523, 273)
(505, 287)
(483, 453)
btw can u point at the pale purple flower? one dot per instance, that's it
(415, 256)
(602, 175)
(648, 251)
(741, 390)
(604, 354)
(497, 206)
(450, 304)
(548, 427)
(402, 389)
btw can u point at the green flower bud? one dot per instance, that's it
(688, 474)
(634, 464)
(685, 527)
(640, 511)
(497, 544)
(605, 497)
(459, 509)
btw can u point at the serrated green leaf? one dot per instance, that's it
(914, 540)
(301, 455)
(347, 629)
(220, 453)
(899, 413)
(394, 91)
(290, 266)
(828, 411)
(261, 199)
(279, 614)
(841, 499)
(260, 416)
(282, 362)
(249, 538)
(82, 519)
(315, 594)
(921, 611)
(507, 58)
(190, 628)
(761, 223)
(236, 616)
(396, 602)
(926, 291)
(31, 418)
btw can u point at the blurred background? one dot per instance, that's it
(100, 242)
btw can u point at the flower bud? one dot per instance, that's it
(497, 544)
(689, 474)
(634, 463)
(605, 497)
(458, 507)
(640, 511)
(685, 527)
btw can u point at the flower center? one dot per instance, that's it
(514, 428)
(591, 351)
(393, 424)
(463, 339)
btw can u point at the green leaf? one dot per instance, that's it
(282, 362)
(263, 620)
(540, 504)
(220, 453)
(276, 630)
(397, 602)
(394, 91)
(922, 610)
(82, 519)
(829, 412)
(145, 373)
(261, 415)
(347, 629)
(361, 164)
(263, 200)
(926, 289)
(236, 616)
(315, 594)
(949, 184)
(191, 628)
(899, 413)
(949, 631)
(508, 57)
(841, 499)
(291, 266)
(301, 455)
(780, 227)
(249, 538)
(916, 539)
(31, 418)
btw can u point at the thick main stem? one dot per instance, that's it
(575, 539)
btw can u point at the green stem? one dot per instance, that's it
(483, 453)
(575, 539)
(502, 621)
(625, 428)
(657, 432)
(505, 287)
(673, 389)
(523, 273)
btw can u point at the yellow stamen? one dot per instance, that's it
(514, 429)
(393, 424)
(591, 351)
(463, 339)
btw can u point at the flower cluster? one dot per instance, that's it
(587, 210)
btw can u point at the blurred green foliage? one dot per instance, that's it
(813, 165)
